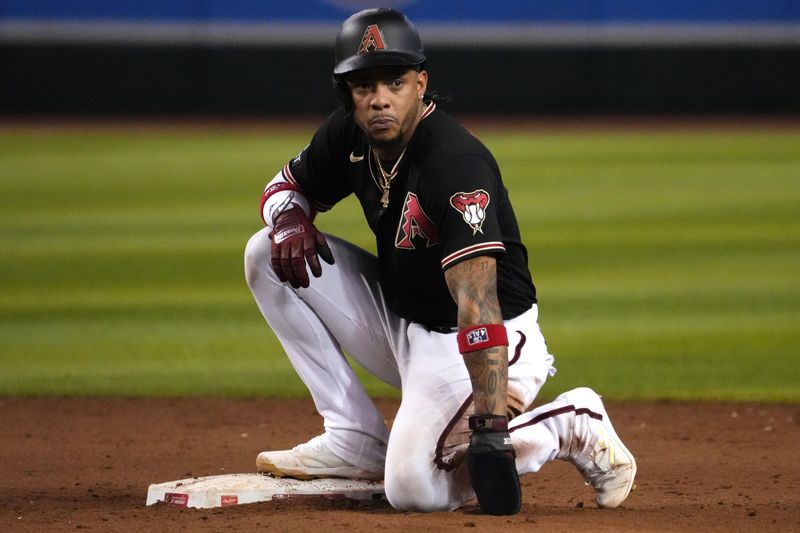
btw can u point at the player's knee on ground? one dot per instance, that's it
(411, 489)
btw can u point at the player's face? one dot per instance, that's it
(387, 105)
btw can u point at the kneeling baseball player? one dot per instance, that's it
(446, 311)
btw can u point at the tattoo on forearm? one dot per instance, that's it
(491, 405)
(488, 371)
(491, 383)
(473, 285)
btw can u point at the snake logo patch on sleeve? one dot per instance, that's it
(472, 206)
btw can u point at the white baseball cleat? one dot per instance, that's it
(310, 460)
(609, 467)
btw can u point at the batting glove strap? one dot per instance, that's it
(270, 192)
(295, 244)
(491, 443)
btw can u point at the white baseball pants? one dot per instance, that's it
(422, 457)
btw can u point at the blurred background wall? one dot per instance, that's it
(269, 57)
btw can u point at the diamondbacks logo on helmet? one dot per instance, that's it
(372, 40)
(472, 206)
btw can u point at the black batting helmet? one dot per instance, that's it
(381, 37)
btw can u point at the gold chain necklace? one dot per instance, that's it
(386, 177)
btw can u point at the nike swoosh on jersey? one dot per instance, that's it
(355, 158)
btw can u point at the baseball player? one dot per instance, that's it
(446, 311)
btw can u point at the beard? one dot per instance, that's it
(397, 142)
(387, 145)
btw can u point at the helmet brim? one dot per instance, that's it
(379, 59)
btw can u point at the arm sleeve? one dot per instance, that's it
(274, 203)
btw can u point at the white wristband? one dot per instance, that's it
(282, 200)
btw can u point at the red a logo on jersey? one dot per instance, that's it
(415, 223)
(372, 40)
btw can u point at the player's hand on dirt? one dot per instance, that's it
(295, 242)
(492, 465)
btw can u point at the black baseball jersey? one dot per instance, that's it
(446, 203)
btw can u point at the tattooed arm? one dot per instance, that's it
(473, 285)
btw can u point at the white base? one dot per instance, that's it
(236, 489)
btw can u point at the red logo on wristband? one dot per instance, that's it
(477, 335)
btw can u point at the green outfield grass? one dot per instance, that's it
(667, 263)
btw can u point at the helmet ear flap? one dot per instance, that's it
(343, 92)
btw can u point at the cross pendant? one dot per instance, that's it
(385, 197)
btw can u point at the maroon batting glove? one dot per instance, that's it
(295, 242)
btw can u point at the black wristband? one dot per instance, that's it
(487, 423)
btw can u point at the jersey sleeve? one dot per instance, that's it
(319, 170)
(465, 200)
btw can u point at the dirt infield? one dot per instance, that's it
(85, 464)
